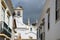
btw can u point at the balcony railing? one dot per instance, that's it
(5, 29)
(6, 26)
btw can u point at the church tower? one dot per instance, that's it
(19, 11)
(19, 14)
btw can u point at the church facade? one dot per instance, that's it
(26, 32)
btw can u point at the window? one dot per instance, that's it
(41, 36)
(43, 24)
(48, 11)
(43, 21)
(57, 9)
(30, 29)
(18, 14)
(39, 32)
(13, 14)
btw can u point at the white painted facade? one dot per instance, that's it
(54, 31)
(6, 11)
(23, 29)
(3, 12)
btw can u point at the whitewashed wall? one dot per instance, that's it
(54, 32)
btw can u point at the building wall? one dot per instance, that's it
(50, 34)
(9, 5)
(0, 11)
(5, 12)
(54, 32)
(43, 15)
(54, 24)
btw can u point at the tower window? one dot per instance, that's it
(18, 14)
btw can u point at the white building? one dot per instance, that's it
(26, 31)
(50, 26)
(6, 10)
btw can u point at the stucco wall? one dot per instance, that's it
(53, 33)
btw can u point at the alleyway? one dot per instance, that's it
(29, 19)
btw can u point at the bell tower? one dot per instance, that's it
(19, 11)
(19, 14)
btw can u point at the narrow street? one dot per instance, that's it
(29, 19)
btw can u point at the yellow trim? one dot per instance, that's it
(3, 4)
(5, 36)
(8, 13)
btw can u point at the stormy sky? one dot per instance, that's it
(32, 8)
